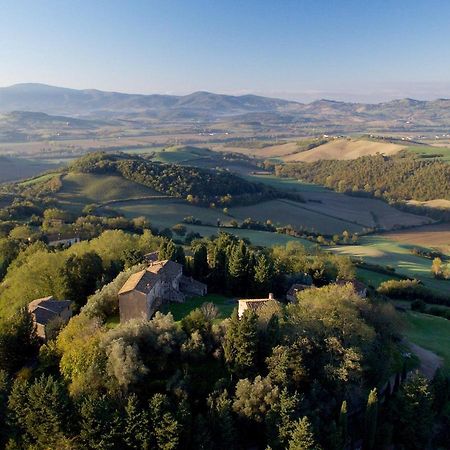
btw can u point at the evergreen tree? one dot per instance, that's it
(238, 268)
(263, 275)
(179, 256)
(80, 276)
(302, 436)
(371, 418)
(218, 278)
(136, 427)
(100, 423)
(4, 391)
(414, 414)
(167, 250)
(343, 422)
(241, 343)
(18, 341)
(41, 410)
(166, 430)
(222, 422)
(200, 263)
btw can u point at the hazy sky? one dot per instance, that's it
(302, 49)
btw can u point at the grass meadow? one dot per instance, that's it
(225, 305)
(386, 252)
(430, 332)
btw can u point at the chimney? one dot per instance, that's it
(271, 296)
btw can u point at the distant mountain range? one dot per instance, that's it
(205, 106)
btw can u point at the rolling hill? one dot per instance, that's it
(401, 115)
(344, 149)
(12, 169)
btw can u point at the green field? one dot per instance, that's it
(431, 333)
(225, 305)
(385, 252)
(286, 184)
(79, 189)
(39, 179)
(372, 278)
(429, 151)
(299, 215)
(258, 238)
(180, 155)
(168, 212)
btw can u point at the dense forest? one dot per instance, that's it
(395, 178)
(307, 375)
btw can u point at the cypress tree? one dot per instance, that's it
(370, 424)
(136, 427)
(343, 422)
(241, 343)
(262, 274)
(200, 264)
(302, 436)
(166, 429)
(238, 268)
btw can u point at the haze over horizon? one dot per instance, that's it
(298, 50)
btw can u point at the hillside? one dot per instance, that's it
(344, 149)
(197, 185)
(256, 112)
(394, 178)
(56, 100)
(12, 169)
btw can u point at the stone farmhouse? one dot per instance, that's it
(47, 312)
(161, 282)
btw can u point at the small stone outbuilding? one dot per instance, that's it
(254, 304)
(48, 314)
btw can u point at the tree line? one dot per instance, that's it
(395, 178)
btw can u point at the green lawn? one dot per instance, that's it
(431, 333)
(225, 306)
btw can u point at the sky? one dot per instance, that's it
(355, 50)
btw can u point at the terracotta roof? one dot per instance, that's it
(167, 267)
(256, 303)
(141, 281)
